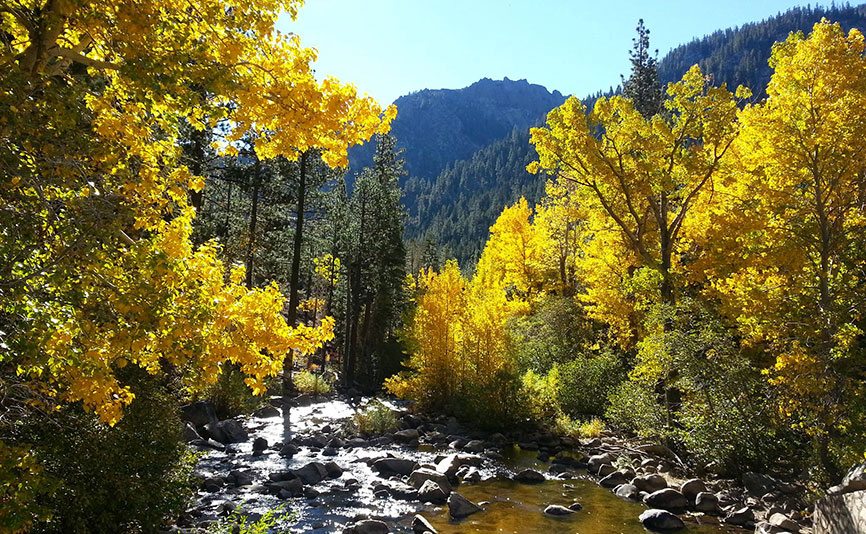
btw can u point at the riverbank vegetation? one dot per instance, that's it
(692, 274)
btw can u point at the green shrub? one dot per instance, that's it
(126, 478)
(311, 383)
(238, 522)
(556, 331)
(375, 419)
(586, 382)
(230, 395)
(633, 408)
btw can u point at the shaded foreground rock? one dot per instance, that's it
(667, 499)
(368, 526)
(529, 476)
(663, 520)
(432, 492)
(394, 466)
(557, 510)
(421, 525)
(459, 506)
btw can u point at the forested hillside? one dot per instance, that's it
(736, 56)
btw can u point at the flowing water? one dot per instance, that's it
(509, 507)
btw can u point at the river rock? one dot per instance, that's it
(758, 484)
(691, 488)
(557, 510)
(650, 483)
(406, 436)
(613, 480)
(459, 506)
(627, 491)
(288, 450)
(784, 522)
(312, 473)
(576, 506)
(239, 478)
(422, 526)
(655, 519)
(450, 465)
(286, 489)
(529, 476)
(190, 434)
(228, 431)
(212, 484)
(422, 475)
(707, 503)
(598, 460)
(740, 517)
(667, 499)
(855, 480)
(394, 466)
(432, 492)
(368, 526)
(604, 470)
(471, 476)
(266, 412)
(259, 445)
(476, 445)
(333, 470)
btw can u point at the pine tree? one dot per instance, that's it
(643, 86)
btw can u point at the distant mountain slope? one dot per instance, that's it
(441, 126)
(456, 207)
(739, 56)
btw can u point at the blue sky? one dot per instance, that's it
(391, 47)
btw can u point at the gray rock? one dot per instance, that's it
(740, 517)
(661, 520)
(471, 476)
(228, 431)
(627, 491)
(394, 466)
(405, 436)
(529, 476)
(368, 526)
(691, 488)
(576, 506)
(613, 480)
(288, 450)
(450, 465)
(707, 503)
(259, 445)
(421, 525)
(212, 484)
(758, 484)
(286, 489)
(557, 510)
(190, 434)
(605, 470)
(667, 499)
(650, 483)
(765, 527)
(459, 506)
(785, 523)
(333, 470)
(476, 445)
(598, 460)
(267, 412)
(312, 473)
(421, 475)
(432, 492)
(239, 478)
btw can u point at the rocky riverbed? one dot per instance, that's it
(302, 456)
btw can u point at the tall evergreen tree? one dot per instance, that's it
(643, 86)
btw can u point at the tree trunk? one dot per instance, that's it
(294, 275)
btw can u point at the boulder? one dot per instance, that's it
(650, 483)
(476, 445)
(333, 470)
(784, 522)
(267, 412)
(368, 526)
(471, 476)
(398, 490)
(259, 445)
(655, 519)
(613, 480)
(394, 466)
(228, 431)
(432, 492)
(598, 460)
(421, 475)
(758, 484)
(529, 476)
(450, 465)
(604, 470)
(576, 506)
(240, 478)
(459, 506)
(288, 450)
(691, 488)
(557, 510)
(406, 436)
(286, 488)
(667, 499)
(190, 434)
(707, 503)
(740, 517)
(627, 491)
(421, 526)
(312, 473)
(199, 413)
